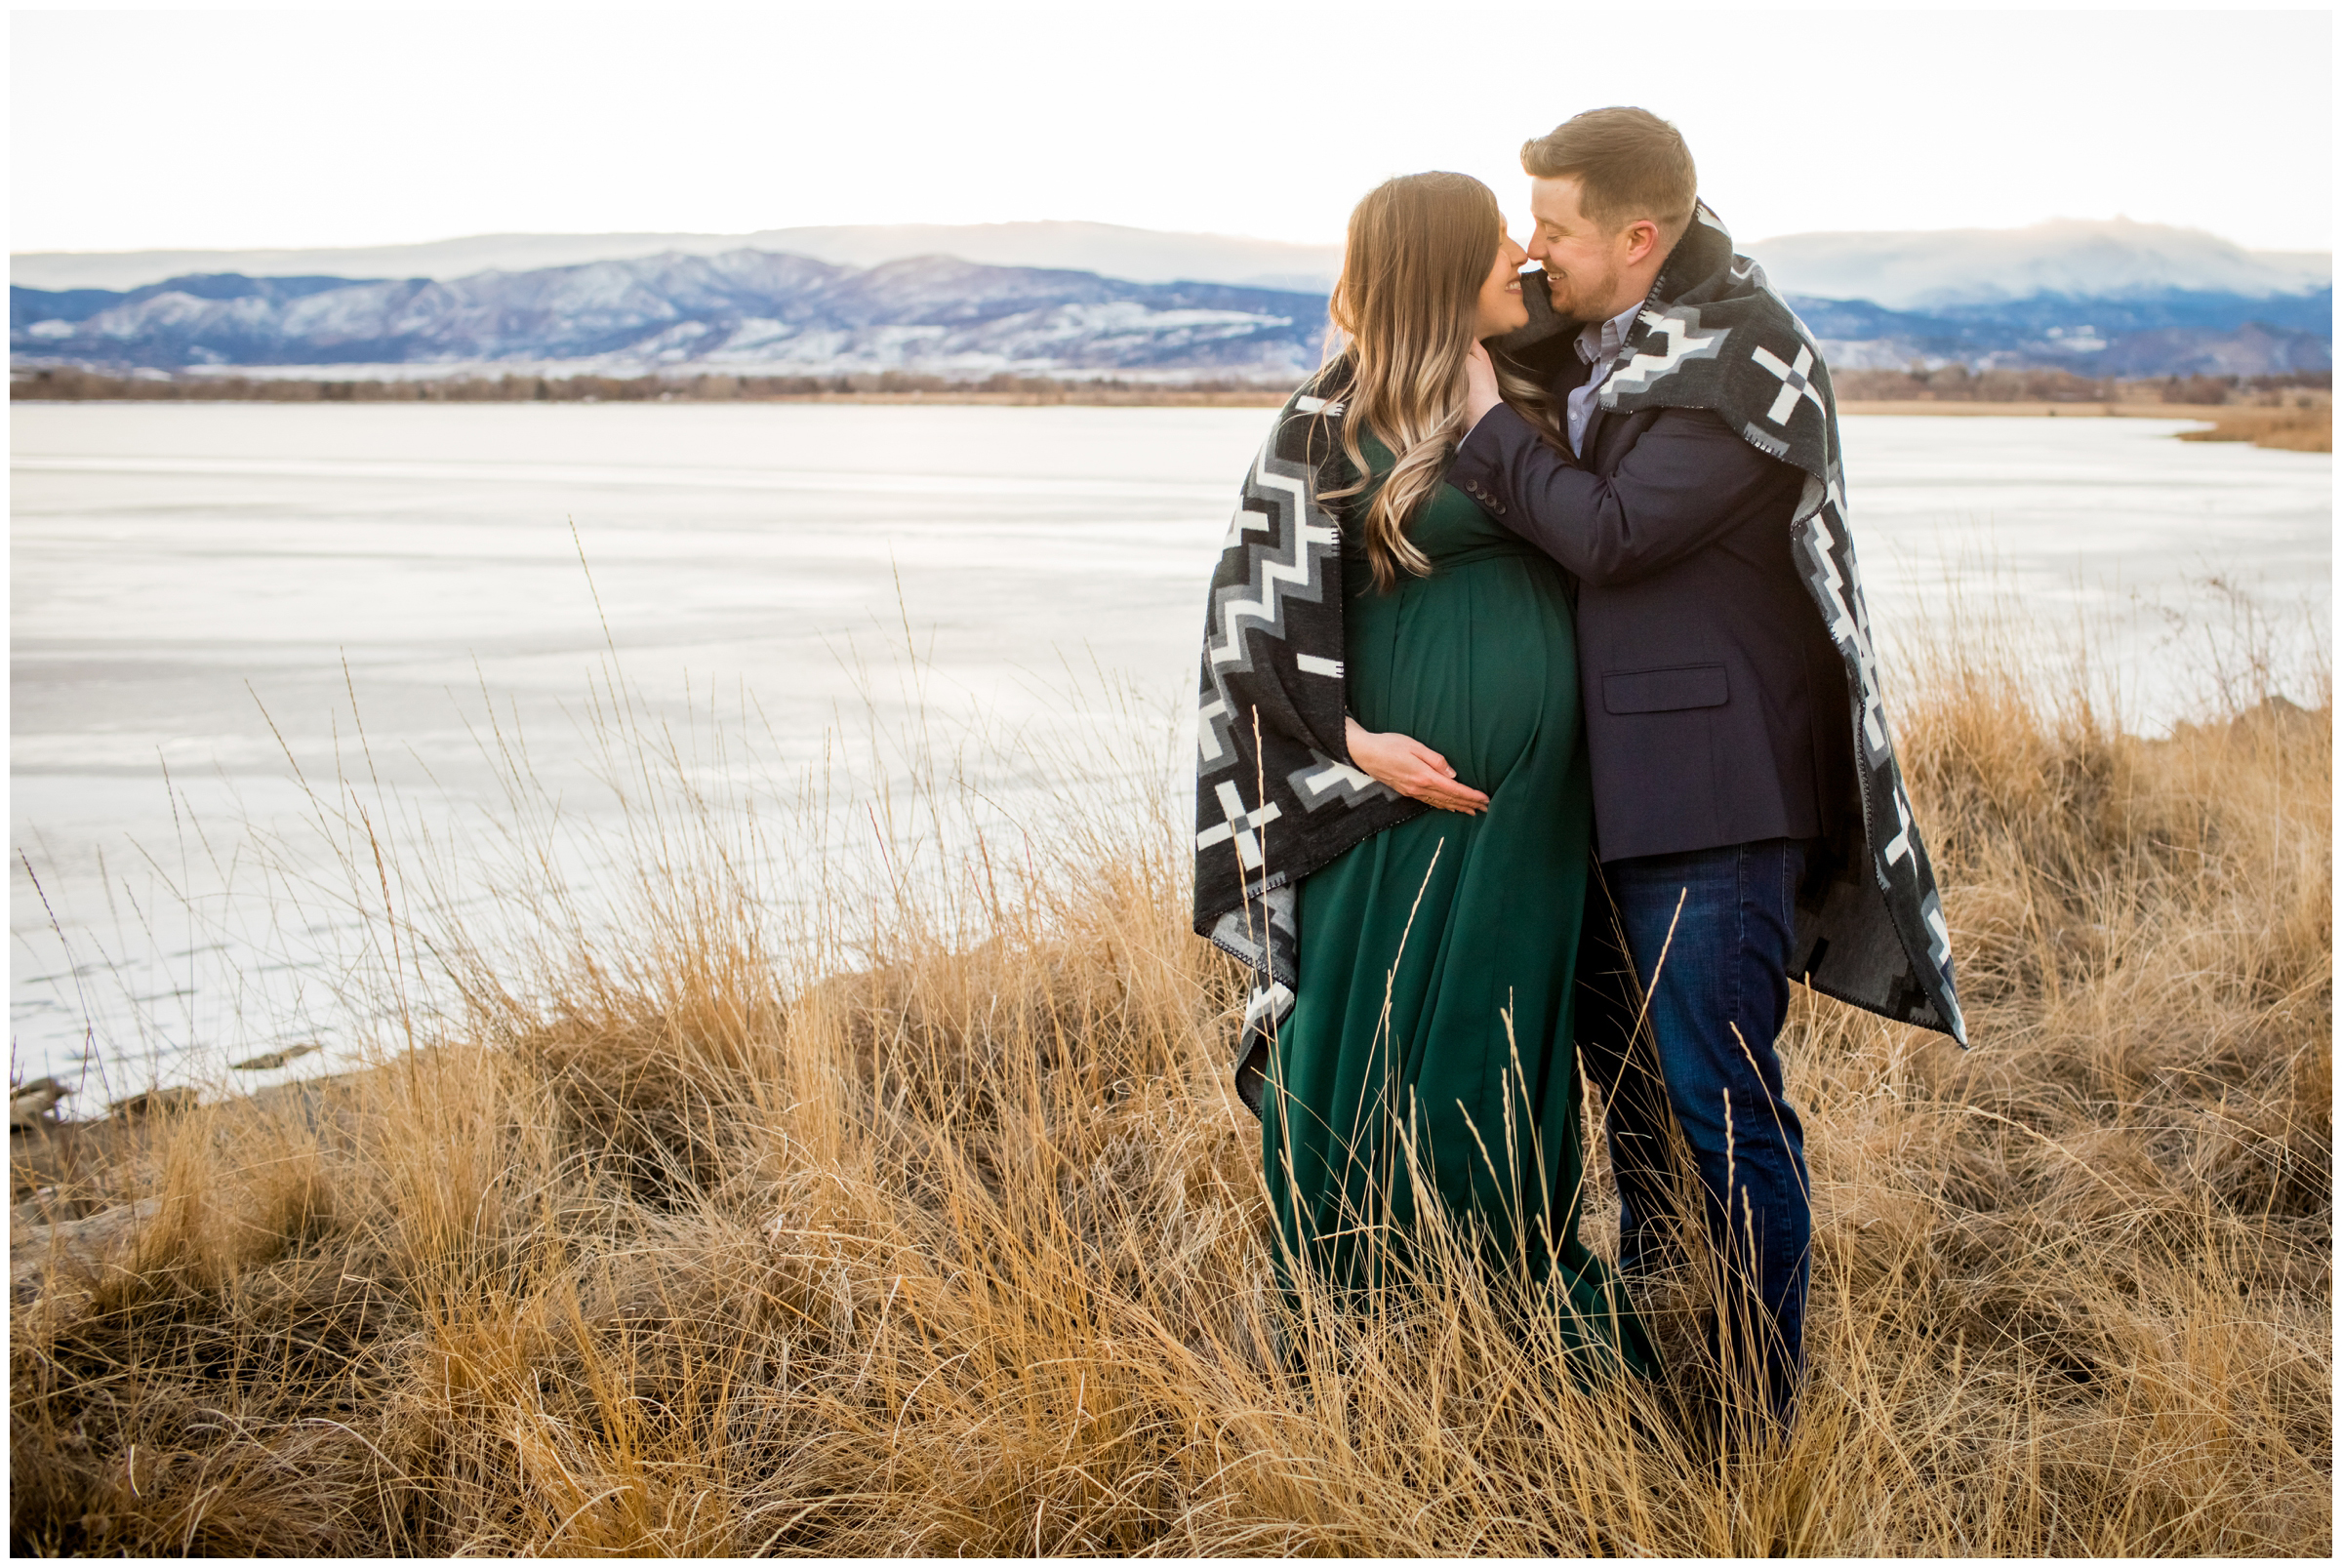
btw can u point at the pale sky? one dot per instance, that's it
(248, 129)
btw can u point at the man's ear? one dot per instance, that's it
(1643, 240)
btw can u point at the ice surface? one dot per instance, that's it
(178, 569)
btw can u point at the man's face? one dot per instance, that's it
(1586, 265)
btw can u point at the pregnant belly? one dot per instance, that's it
(1479, 662)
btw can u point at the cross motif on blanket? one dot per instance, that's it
(1239, 827)
(1794, 385)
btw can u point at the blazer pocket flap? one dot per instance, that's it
(1661, 691)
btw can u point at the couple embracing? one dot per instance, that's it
(1540, 732)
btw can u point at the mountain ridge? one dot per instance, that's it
(1113, 250)
(1902, 269)
(2072, 257)
(742, 309)
(774, 313)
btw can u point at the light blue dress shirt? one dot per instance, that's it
(1599, 344)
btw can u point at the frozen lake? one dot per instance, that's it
(205, 588)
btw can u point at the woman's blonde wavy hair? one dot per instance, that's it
(1419, 249)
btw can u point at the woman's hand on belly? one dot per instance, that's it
(1411, 768)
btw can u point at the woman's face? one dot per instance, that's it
(1500, 306)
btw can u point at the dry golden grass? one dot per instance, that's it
(2302, 428)
(949, 1240)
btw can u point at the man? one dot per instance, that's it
(1749, 815)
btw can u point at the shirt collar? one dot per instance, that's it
(1600, 341)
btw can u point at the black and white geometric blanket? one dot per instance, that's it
(1276, 796)
(1714, 335)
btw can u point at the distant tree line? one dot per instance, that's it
(67, 384)
(1949, 384)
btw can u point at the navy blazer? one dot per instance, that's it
(1715, 702)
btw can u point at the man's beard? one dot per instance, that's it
(1579, 297)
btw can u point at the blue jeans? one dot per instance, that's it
(1724, 919)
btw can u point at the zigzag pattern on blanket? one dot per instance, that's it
(1297, 570)
(1274, 797)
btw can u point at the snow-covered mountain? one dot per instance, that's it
(2100, 298)
(1142, 255)
(2116, 260)
(2171, 334)
(744, 310)
(2073, 258)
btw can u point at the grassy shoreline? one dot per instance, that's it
(2305, 427)
(944, 1235)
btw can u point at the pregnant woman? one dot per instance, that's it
(1409, 1041)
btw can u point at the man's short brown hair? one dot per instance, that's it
(1628, 163)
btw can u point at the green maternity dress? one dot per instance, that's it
(1419, 944)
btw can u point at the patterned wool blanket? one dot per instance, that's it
(1276, 797)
